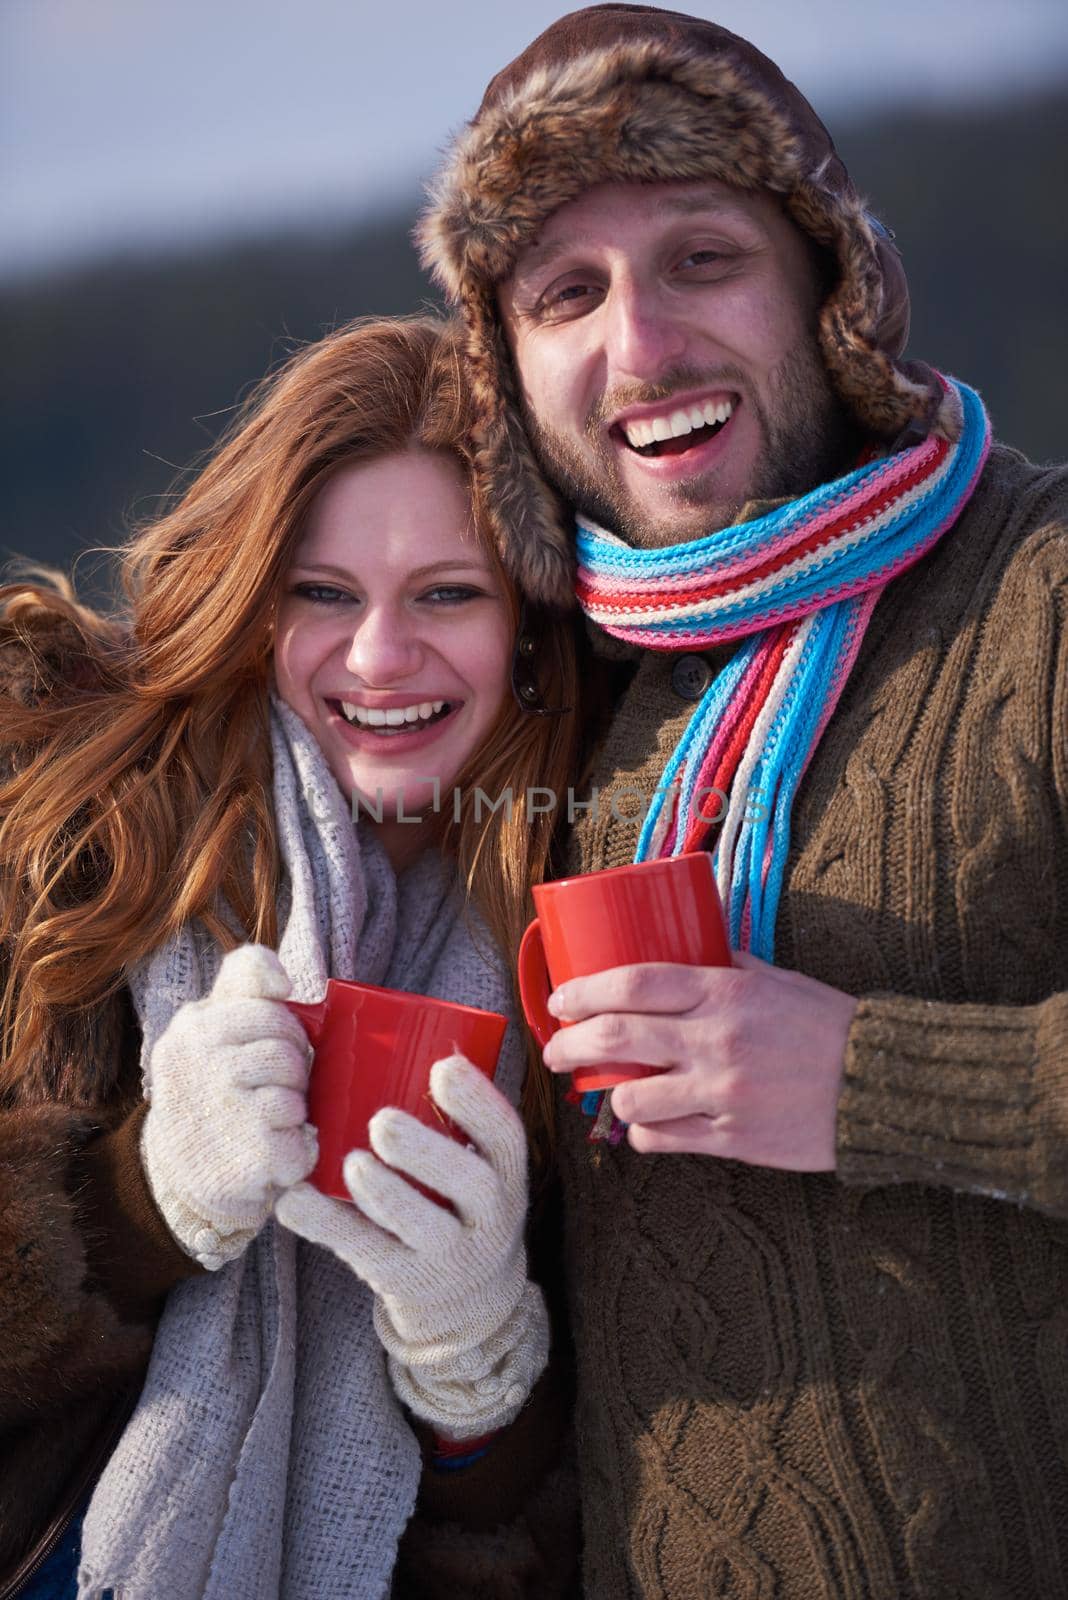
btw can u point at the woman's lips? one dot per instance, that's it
(397, 741)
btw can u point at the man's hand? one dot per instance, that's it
(754, 1057)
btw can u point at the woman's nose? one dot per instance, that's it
(384, 649)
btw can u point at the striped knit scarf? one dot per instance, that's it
(798, 588)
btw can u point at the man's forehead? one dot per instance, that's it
(580, 221)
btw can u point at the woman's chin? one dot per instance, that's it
(405, 805)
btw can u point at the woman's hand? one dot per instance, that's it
(226, 1128)
(465, 1331)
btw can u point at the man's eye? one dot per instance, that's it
(569, 300)
(713, 260)
(703, 258)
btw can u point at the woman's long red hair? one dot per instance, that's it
(137, 778)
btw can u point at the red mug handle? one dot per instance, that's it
(534, 985)
(312, 1015)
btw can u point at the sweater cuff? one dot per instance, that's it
(453, 1455)
(494, 1487)
(972, 1097)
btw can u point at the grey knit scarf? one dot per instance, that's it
(267, 1458)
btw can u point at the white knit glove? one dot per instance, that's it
(465, 1332)
(226, 1127)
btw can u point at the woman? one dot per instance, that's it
(158, 812)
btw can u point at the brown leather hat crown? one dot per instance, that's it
(635, 94)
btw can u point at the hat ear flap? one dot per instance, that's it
(863, 323)
(529, 521)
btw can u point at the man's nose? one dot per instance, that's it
(385, 648)
(644, 335)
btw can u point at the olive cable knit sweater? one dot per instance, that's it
(857, 1385)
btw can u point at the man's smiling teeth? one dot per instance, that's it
(395, 717)
(652, 430)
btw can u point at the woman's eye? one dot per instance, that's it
(323, 594)
(451, 594)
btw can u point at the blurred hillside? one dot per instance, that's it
(121, 375)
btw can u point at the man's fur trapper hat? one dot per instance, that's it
(620, 93)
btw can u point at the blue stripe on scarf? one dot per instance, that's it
(778, 773)
(879, 552)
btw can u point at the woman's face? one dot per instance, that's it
(394, 634)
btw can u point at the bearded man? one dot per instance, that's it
(820, 1288)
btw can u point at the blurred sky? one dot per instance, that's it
(155, 122)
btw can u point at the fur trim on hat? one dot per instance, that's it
(637, 113)
(648, 109)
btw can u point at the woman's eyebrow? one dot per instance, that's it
(448, 566)
(451, 565)
(325, 567)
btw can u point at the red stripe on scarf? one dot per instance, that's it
(849, 521)
(700, 827)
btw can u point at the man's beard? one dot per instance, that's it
(808, 440)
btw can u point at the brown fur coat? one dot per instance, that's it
(85, 1258)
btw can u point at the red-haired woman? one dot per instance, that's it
(322, 616)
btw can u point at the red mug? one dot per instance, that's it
(653, 911)
(375, 1047)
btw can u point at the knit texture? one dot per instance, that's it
(466, 1333)
(632, 94)
(268, 1458)
(799, 586)
(227, 1129)
(857, 1385)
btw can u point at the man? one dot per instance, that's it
(820, 1291)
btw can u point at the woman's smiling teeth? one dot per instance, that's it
(421, 711)
(642, 432)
